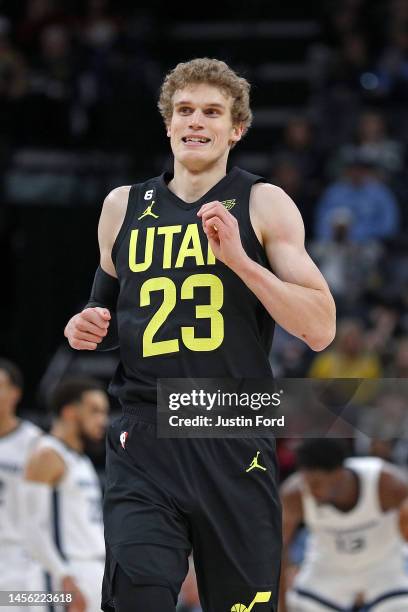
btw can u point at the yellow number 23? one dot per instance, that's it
(207, 311)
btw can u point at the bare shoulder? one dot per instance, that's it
(114, 206)
(291, 488)
(111, 220)
(274, 213)
(45, 465)
(393, 486)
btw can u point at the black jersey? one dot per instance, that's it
(181, 313)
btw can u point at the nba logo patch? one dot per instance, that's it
(123, 437)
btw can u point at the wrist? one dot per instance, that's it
(61, 572)
(243, 266)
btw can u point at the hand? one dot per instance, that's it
(87, 329)
(222, 231)
(79, 602)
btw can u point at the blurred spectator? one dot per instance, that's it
(287, 174)
(13, 85)
(350, 63)
(384, 321)
(99, 27)
(393, 67)
(350, 268)
(344, 17)
(373, 144)
(399, 368)
(381, 425)
(299, 143)
(39, 14)
(349, 357)
(359, 194)
(289, 356)
(12, 66)
(53, 78)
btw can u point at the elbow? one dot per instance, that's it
(324, 332)
(322, 340)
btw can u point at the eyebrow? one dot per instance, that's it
(189, 103)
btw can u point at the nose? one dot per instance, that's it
(196, 120)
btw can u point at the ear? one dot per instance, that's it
(69, 412)
(17, 394)
(168, 130)
(237, 131)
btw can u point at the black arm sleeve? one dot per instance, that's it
(104, 293)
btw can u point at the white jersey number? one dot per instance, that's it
(350, 544)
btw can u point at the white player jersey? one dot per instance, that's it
(357, 539)
(14, 450)
(77, 528)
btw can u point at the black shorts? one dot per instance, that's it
(166, 497)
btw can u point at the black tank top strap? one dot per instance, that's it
(131, 205)
(248, 235)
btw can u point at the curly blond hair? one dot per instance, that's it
(214, 72)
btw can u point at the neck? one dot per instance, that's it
(7, 424)
(191, 185)
(66, 434)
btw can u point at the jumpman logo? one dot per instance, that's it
(148, 212)
(255, 464)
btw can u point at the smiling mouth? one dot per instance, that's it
(199, 140)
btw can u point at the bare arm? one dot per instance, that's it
(110, 222)
(295, 293)
(44, 470)
(45, 466)
(393, 493)
(87, 329)
(292, 517)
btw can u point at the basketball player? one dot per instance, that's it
(17, 438)
(356, 509)
(63, 525)
(186, 278)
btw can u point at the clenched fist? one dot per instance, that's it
(88, 328)
(222, 231)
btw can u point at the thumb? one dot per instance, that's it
(104, 312)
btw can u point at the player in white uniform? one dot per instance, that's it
(17, 438)
(356, 510)
(63, 497)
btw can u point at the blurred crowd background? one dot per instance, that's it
(79, 83)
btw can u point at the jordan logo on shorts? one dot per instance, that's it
(148, 212)
(261, 597)
(123, 437)
(255, 464)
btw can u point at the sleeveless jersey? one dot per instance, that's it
(76, 512)
(354, 540)
(181, 313)
(14, 450)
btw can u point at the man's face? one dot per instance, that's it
(322, 484)
(9, 395)
(93, 414)
(201, 130)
